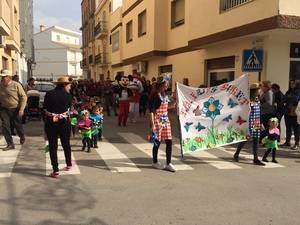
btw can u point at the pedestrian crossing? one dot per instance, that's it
(115, 160)
(131, 154)
(8, 158)
(62, 164)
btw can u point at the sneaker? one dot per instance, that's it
(54, 174)
(22, 140)
(83, 148)
(274, 161)
(157, 165)
(258, 162)
(89, 150)
(170, 167)
(9, 147)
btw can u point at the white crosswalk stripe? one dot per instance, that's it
(8, 158)
(62, 163)
(212, 160)
(250, 157)
(115, 160)
(146, 148)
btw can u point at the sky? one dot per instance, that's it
(63, 13)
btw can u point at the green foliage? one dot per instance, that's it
(213, 138)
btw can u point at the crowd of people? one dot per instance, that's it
(78, 107)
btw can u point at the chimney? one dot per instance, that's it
(42, 27)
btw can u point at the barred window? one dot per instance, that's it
(226, 5)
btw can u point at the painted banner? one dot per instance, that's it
(215, 116)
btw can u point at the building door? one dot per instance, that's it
(295, 70)
(295, 61)
(220, 70)
(217, 77)
(167, 69)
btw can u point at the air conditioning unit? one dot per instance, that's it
(142, 67)
(2, 41)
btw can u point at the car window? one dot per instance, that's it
(45, 87)
(48, 87)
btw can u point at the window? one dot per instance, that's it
(220, 70)
(142, 23)
(129, 31)
(57, 37)
(177, 13)
(16, 17)
(226, 5)
(115, 41)
(4, 63)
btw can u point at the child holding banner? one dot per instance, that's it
(160, 123)
(254, 126)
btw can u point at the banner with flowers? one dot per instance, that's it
(215, 116)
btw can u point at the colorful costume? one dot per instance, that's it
(272, 138)
(161, 120)
(96, 128)
(86, 133)
(271, 142)
(74, 120)
(123, 94)
(254, 132)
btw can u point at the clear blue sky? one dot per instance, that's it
(64, 13)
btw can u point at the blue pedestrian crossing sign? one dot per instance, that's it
(253, 60)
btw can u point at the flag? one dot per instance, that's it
(215, 116)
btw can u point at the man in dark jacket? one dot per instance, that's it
(57, 123)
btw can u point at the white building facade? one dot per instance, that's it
(57, 53)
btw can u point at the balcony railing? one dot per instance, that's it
(100, 29)
(91, 59)
(101, 59)
(83, 63)
(226, 5)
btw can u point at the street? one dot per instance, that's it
(115, 184)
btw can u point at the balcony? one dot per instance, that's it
(226, 5)
(12, 45)
(91, 59)
(101, 59)
(100, 30)
(4, 18)
(83, 63)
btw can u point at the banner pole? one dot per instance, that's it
(178, 121)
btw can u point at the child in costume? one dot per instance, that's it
(97, 119)
(254, 126)
(271, 140)
(84, 125)
(74, 119)
(101, 123)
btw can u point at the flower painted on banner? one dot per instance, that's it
(212, 108)
(198, 139)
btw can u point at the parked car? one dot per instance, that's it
(42, 88)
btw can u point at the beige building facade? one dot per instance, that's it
(96, 63)
(9, 35)
(204, 41)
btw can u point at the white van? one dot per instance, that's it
(42, 88)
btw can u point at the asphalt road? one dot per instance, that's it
(116, 184)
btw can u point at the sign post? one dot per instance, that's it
(253, 61)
